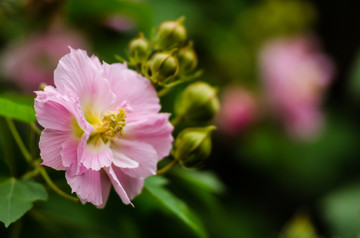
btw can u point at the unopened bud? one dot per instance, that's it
(139, 49)
(199, 102)
(171, 34)
(187, 59)
(193, 146)
(163, 65)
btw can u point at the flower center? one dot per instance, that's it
(110, 126)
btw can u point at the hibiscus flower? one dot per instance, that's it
(102, 125)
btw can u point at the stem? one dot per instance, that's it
(163, 91)
(31, 173)
(54, 187)
(35, 128)
(166, 168)
(18, 140)
(32, 142)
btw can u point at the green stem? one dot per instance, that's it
(31, 173)
(18, 140)
(35, 128)
(54, 187)
(163, 91)
(167, 167)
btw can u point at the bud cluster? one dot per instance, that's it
(167, 60)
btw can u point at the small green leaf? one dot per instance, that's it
(204, 180)
(17, 110)
(17, 197)
(155, 186)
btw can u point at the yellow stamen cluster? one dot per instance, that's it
(110, 126)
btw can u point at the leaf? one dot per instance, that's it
(17, 110)
(17, 197)
(204, 180)
(155, 186)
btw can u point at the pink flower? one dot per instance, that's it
(120, 23)
(296, 75)
(103, 126)
(32, 61)
(238, 110)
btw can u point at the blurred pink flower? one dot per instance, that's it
(120, 23)
(296, 75)
(103, 126)
(32, 61)
(238, 110)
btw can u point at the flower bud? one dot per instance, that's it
(163, 65)
(199, 102)
(193, 146)
(187, 59)
(139, 49)
(171, 34)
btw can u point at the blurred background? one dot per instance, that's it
(285, 158)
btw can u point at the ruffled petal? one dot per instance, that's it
(50, 147)
(68, 152)
(155, 130)
(91, 186)
(132, 88)
(122, 161)
(140, 152)
(49, 104)
(96, 157)
(78, 74)
(131, 185)
(58, 112)
(118, 186)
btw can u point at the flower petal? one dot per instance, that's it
(97, 156)
(56, 111)
(50, 147)
(142, 153)
(155, 130)
(49, 104)
(132, 88)
(118, 186)
(78, 74)
(91, 186)
(122, 161)
(131, 185)
(69, 152)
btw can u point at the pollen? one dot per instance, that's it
(110, 126)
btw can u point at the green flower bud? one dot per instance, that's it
(163, 65)
(139, 49)
(187, 59)
(171, 34)
(198, 102)
(193, 146)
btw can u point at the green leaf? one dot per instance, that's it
(155, 186)
(17, 110)
(17, 197)
(204, 180)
